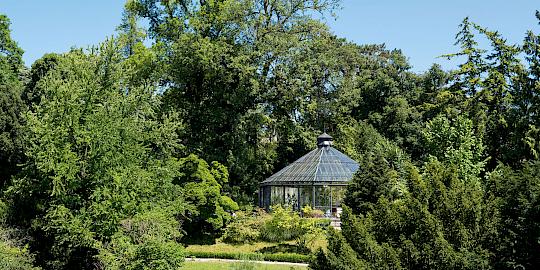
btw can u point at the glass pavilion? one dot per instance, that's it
(318, 179)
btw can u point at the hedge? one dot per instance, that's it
(287, 257)
(276, 257)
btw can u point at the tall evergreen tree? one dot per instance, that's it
(443, 220)
(516, 192)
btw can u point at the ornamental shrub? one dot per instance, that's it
(309, 212)
(287, 224)
(245, 227)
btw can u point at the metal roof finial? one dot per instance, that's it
(324, 140)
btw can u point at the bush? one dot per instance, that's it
(3, 212)
(213, 255)
(283, 224)
(309, 212)
(147, 241)
(288, 257)
(286, 225)
(245, 228)
(14, 258)
(322, 223)
(12, 255)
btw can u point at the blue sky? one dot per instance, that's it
(423, 29)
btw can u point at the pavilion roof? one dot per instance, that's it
(322, 166)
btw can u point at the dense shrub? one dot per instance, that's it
(282, 224)
(246, 227)
(203, 183)
(12, 255)
(444, 222)
(288, 257)
(309, 212)
(287, 224)
(15, 258)
(147, 241)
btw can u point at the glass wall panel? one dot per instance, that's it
(338, 193)
(267, 191)
(277, 195)
(322, 199)
(306, 196)
(291, 197)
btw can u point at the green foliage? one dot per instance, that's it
(245, 227)
(469, 73)
(339, 255)
(146, 241)
(283, 224)
(516, 193)
(308, 212)
(443, 219)
(97, 155)
(124, 147)
(448, 216)
(40, 68)
(202, 187)
(495, 88)
(382, 167)
(443, 222)
(275, 257)
(14, 253)
(227, 65)
(10, 51)
(11, 105)
(14, 258)
(287, 257)
(286, 224)
(454, 142)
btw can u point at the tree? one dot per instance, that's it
(496, 99)
(99, 178)
(11, 105)
(453, 141)
(32, 91)
(497, 95)
(131, 34)
(382, 166)
(468, 78)
(516, 193)
(442, 222)
(527, 102)
(203, 188)
(224, 61)
(444, 219)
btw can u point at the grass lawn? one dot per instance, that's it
(232, 266)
